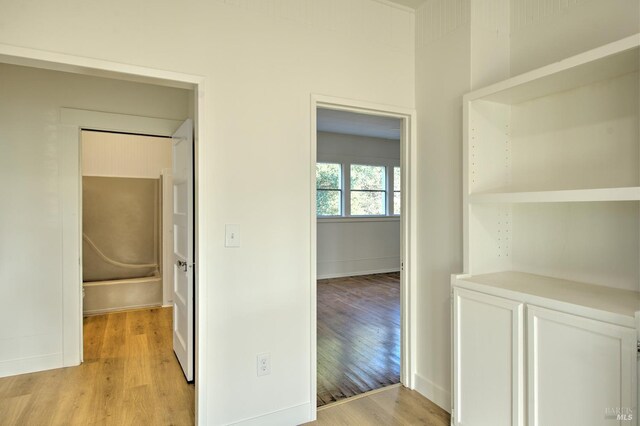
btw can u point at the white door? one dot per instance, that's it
(581, 371)
(183, 274)
(488, 360)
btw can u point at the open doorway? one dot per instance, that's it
(48, 113)
(137, 252)
(361, 249)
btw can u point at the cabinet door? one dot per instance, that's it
(580, 371)
(488, 360)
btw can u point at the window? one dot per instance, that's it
(368, 190)
(329, 189)
(396, 191)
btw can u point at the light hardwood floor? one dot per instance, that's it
(358, 335)
(395, 405)
(130, 377)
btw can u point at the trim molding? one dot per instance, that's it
(121, 309)
(108, 121)
(355, 274)
(298, 414)
(433, 392)
(13, 367)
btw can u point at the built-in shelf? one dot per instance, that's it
(562, 196)
(610, 61)
(606, 299)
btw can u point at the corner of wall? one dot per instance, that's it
(438, 395)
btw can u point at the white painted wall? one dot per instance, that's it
(357, 246)
(443, 62)
(33, 166)
(545, 31)
(261, 60)
(123, 155)
(460, 46)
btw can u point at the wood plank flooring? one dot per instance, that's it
(130, 377)
(390, 406)
(358, 335)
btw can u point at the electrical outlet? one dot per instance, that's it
(264, 364)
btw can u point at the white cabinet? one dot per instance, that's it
(580, 366)
(488, 368)
(579, 370)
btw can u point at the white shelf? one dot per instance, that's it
(619, 302)
(609, 61)
(561, 196)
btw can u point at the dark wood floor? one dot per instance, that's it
(130, 376)
(358, 335)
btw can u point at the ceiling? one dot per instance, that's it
(414, 4)
(351, 123)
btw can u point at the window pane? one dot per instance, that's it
(328, 202)
(367, 203)
(396, 203)
(328, 176)
(367, 177)
(396, 178)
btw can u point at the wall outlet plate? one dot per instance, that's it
(263, 364)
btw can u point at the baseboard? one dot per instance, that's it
(357, 273)
(432, 392)
(120, 309)
(14, 367)
(295, 415)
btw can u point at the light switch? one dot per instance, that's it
(232, 235)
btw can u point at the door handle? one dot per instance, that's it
(182, 265)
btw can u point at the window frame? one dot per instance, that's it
(345, 166)
(392, 191)
(384, 190)
(340, 190)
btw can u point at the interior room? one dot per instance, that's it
(516, 254)
(358, 253)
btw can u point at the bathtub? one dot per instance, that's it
(101, 297)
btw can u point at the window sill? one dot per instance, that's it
(346, 219)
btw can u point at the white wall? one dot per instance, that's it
(357, 246)
(123, 155)
(261, 60)
(545, 31)
(459, 46)
(33, 167)
(443, 61)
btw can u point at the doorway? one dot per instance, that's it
(137, 228)
(376, 288)
(53, 162)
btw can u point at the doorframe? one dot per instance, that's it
(69, 134)
(408, 226)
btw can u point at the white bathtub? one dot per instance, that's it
(117, 295)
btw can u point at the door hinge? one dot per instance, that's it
(638, 346)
